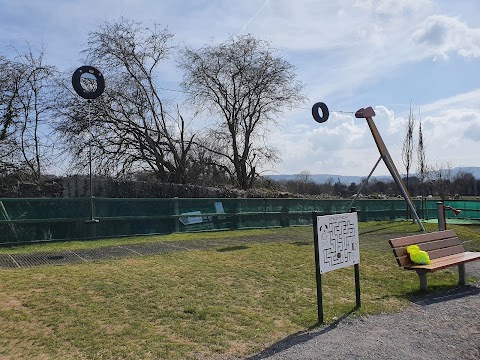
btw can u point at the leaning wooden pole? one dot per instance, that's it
(367, 114)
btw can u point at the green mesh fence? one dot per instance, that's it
(34, 220)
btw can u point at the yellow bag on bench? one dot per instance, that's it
(418, 256)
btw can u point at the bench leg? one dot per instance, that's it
(461, 274)
(423, 279)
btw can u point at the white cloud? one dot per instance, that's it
(392, 8)
(472, 132)
(438, 35)
(469, 100)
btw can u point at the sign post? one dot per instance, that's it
(336, 246)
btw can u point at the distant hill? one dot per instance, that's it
(323, 178)
(471, 169)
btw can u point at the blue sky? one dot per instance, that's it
(349, 54)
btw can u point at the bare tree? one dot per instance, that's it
(8, 112)
(36, 105)
(303, 178)
(440, 176)
(132, 128)
(247, 85)
(25, 99)
(464, 183)
(421, 165)
(407, 149)
(421, 162)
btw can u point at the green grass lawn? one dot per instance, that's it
(216, 303)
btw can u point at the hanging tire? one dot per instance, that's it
(77, 86)
(325, 112)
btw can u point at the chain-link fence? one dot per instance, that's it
(49, 219)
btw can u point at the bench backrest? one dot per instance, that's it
(437, 244)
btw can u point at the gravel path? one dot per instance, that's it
(437, 326)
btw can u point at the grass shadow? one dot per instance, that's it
(232, 248)
(302, 243)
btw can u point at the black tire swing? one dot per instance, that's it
(316, 115)
(77, 86)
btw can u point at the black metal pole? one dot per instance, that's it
(357, 285)
(357, 276)
(90, 168)
(90, 156)
(92, 219)
(318, 275)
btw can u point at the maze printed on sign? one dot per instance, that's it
(338, 243)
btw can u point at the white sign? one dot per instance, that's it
(338, 244)
(219, 209)
(191, 219)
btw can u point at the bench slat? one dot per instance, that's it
(435, 254)
(447, 261)
(433, 245)
(422, 238)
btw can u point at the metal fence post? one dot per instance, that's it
(238, 214)
(176, 220)
(441, 216)
(285, 217)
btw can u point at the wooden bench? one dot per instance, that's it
(444, 249)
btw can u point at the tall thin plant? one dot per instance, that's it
(421, 162)
(408, 145)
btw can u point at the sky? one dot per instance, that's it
(392, 55)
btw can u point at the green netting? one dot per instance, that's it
(32, 220)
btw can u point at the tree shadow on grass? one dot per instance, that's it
(302, 243)
(232, 248)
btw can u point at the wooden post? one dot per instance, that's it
(367, 114)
